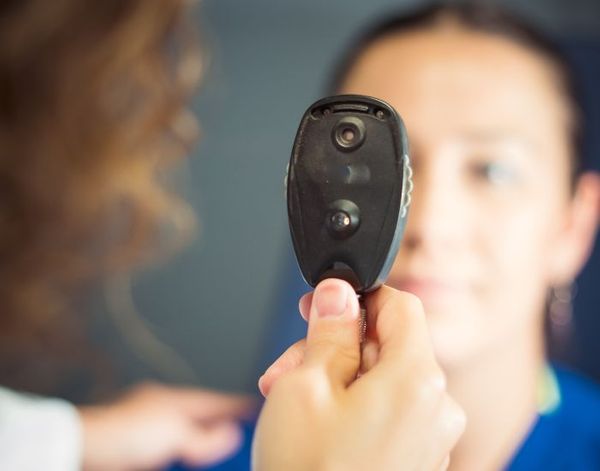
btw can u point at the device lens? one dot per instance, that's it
(349, 133)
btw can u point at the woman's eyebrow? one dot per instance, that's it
(503, 139)
(484, 134)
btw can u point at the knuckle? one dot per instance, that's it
(306, 385)
(401, 307)
(411, 308)
(457, 420)
(333, 350)
(410, 302)
(401, 300)
(437, 378)
(288, 383)
(347, 354)
(429, 388)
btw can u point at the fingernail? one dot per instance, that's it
(330, 299)
(261, 385)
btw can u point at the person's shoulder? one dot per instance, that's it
(576, 423)
(580, 403)
(37, 432)
(567, 436)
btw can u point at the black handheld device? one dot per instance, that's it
(349, 186)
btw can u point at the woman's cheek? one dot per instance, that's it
(516, 246)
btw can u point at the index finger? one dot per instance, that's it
(397, 319)
(206, 404)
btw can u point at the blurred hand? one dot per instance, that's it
(154, 425)
(396, 415)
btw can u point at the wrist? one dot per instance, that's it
(96, 453)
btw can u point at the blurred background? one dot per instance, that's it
(213, 314)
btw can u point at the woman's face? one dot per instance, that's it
(487, 127)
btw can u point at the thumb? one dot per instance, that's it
(333, 339)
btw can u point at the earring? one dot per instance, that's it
(560, 318)
(560, 307)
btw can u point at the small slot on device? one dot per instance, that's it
(340, 107)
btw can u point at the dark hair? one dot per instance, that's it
(486, 18)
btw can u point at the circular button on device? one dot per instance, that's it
(343, 218)
(349, 133)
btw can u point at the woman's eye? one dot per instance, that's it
(496, 173)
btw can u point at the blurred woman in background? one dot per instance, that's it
(92, 113)
(504, 216)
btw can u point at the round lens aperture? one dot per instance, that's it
(349, 133)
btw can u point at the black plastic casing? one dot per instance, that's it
(366, 178)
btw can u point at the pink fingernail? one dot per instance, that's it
(330, 299)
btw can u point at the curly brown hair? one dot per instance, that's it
(92, 110)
